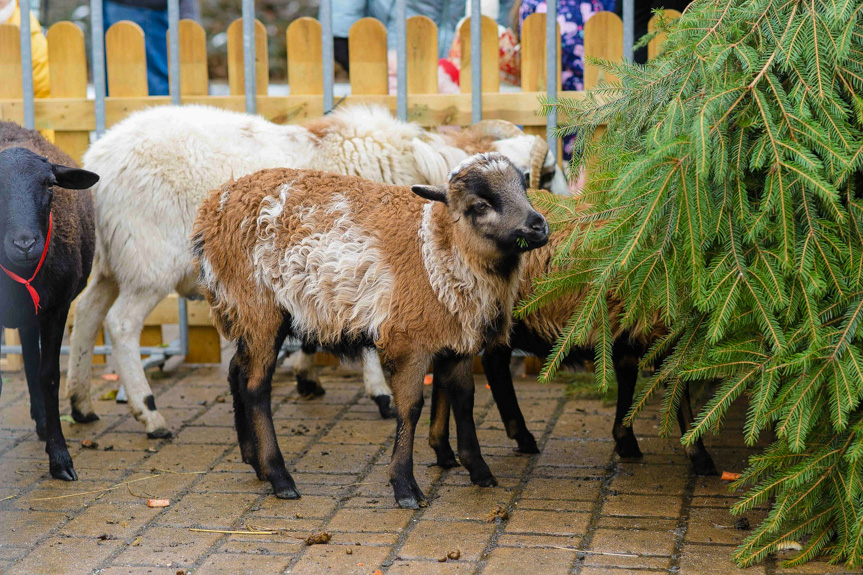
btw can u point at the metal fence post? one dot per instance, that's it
(327, 52)
(551, 67)
(250, 69)
(174, 49)
(97, 37)
(402, 59)
(27, 65)
(628, 28)
(475, 61)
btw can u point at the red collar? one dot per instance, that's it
(20, 280)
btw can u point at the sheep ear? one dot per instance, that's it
(433, 193)
(73, 178)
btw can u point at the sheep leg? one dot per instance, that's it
(125, 321)
(238, 381)
(457, 378)
(30, 347)
(90, 312)
(408, 393)
(308, 380)
(376, 383)
(52, 324)
(702, 463)
(439, 426)
(259, 362)
(495, 363)
(625, 358)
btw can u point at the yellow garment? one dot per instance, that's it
(41, 81)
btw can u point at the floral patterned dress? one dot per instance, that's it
(571, 16)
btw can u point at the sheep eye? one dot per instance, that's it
(480, 206)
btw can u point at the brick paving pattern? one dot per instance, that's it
(575, 508)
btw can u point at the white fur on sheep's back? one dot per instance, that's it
(466, 295)
(157, 166)
(334, 282)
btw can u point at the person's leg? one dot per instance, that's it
(156, 45)
(154, 23)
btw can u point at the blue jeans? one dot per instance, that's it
(155, 26)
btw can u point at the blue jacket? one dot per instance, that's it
(444, 13)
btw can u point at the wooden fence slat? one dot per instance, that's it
(533, 67)
(533, 53)
(194, 76)
(654, 46)
(603, 39)
(126, 60)
(10, 62)
(236, 80)
(422, 55)
(490, 56)
(367, 51)
(67, 66)
(305, 58)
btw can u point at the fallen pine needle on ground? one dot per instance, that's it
(238, 532)
(577, 550)
(118, 485)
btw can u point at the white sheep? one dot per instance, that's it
(157, 166)
(350, 264)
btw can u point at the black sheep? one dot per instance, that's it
(47, 241)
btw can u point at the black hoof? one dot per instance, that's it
(447, 462)
(309, 389)
(385, 406)
(702, 464)
(84, 417)
(287, 491)
(411, 502)
(445, 457)
(161, 433)
(484, 481)
(409, 495)
(284, 486)
(526, 444)
(480, 474)
(627, 448)
(62, 469)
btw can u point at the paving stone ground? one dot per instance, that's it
(575, 508)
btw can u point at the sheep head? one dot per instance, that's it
(529, 153)
(486, 196)
(26, 193)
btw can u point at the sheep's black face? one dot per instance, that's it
(26, 193)
(487, 195)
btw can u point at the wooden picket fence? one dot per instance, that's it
(72, 117)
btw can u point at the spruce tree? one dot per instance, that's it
(726, 198)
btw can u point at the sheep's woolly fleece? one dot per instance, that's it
(340, 256)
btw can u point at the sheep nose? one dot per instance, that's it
(25, 244)
(537, 223)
